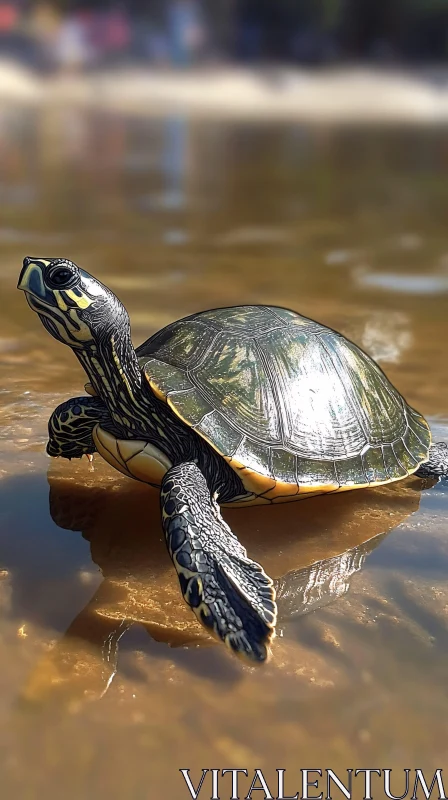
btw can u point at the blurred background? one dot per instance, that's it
(180, 33)
(193, 155)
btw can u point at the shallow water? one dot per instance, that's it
(108, 686)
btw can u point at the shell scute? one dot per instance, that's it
(215, 428)
(256, 456)
(312, 472)
(180, 344)
(284, 465)
(166, 378)
(190, 405)
(404, 456)
(374, 466)
(236, 381)
(395, 469)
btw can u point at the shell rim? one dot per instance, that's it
(308, 487)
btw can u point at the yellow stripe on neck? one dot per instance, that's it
(121, 370)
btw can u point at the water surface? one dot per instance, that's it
(108, 685)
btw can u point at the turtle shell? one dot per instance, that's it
(294, 406)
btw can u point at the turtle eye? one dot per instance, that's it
(62, 277)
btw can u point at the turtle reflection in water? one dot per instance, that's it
(243, 405)
(138, 588)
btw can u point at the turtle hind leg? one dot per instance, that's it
(71, 425)
(230, 594)
(437, 464)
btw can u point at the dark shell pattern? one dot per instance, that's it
(285, 397)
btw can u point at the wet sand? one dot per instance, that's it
(108, 686)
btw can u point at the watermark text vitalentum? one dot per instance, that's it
(315, 784)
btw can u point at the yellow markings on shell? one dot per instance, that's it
(81, 301)
(135, 458)
(149, 465)
(129, 448)
(346, 487)
(249, 500)
(106, 444)
(171, 405)
(287, 492)
(264, 489)
(157, 391)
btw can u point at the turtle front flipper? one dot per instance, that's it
(230, 594)
(71, 425)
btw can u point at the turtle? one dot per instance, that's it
(230, 406)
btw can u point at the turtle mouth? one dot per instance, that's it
(49, 326)
(38, 305)
(31, 281)
(47, 314)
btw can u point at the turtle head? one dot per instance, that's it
(72, 305)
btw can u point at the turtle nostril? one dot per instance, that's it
(27, 260)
